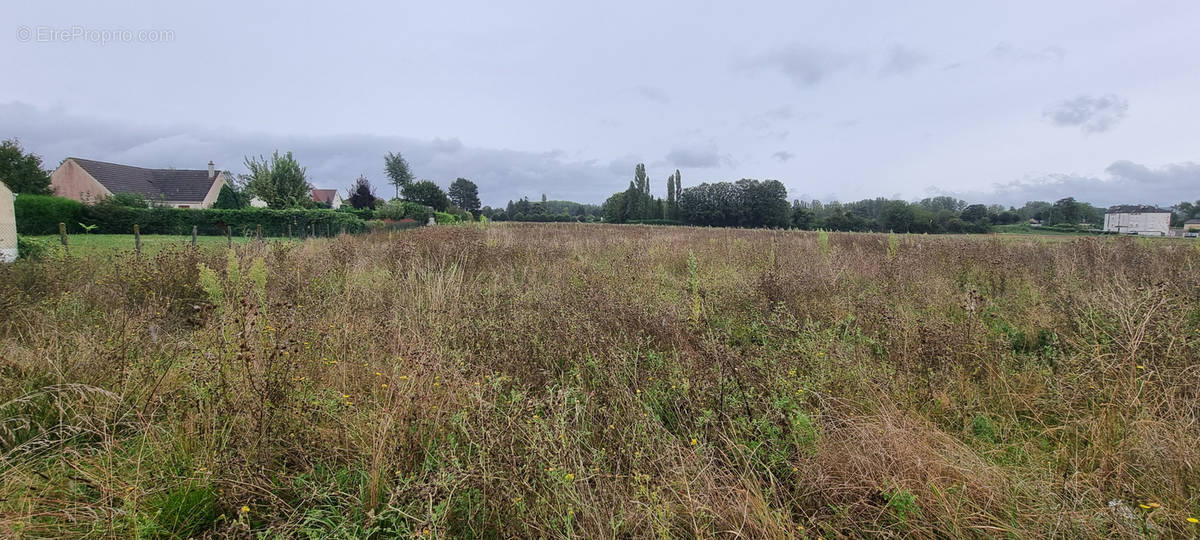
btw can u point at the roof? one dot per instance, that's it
(159, 184)
(1136, 209)
(1192, 222)
(324, 195)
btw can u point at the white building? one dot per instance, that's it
(8, 226)
(1138, 219)
(327, 196)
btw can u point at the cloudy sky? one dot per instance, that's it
(993, 101)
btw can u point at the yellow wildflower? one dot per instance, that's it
(1193, 520)
(694, 441)
(569, 477)
(245, 509)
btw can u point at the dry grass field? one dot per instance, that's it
(590, 381)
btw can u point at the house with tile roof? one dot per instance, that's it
(1137, 219)
(86, 180)
(327, 196)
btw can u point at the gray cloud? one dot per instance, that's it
(1090, 114)
(704, 156)
(1125, 182)
(764, 120)
(783, 155)
(900, 60)
(1010, 53)
(804, 65)
(332, 161)
(652, 93)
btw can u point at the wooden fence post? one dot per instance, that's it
(289, 231)
(258, 232)
(137, 239)
(229, 237)
(193, 236)
(62, 235)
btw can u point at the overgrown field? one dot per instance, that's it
(605, 381)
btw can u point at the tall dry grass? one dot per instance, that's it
(605, 381)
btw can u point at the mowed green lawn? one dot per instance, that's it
(99, 244)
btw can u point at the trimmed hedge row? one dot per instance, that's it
(38, 216)
(41, 214)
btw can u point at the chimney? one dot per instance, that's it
(211, 174)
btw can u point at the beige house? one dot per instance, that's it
(1138, 219)
(8, 226)
(86, 180)
(327, 196)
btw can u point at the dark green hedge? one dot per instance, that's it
(112, 219)
(41, 214)
(364, 214)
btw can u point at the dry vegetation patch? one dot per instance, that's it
(594, 381)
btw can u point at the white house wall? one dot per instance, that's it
(8, 226)
(1145, 224)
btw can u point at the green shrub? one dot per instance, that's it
(983, 428)
(35, 248)
(393, 210)
(416, 211)
(41, 214)
(445, 217)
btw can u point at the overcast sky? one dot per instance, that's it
(993, 101)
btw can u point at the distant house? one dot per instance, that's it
(8, 226)
(1138, 219)
(86, 180)
(327, 196)
(1191, 228)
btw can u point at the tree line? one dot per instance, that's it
(282, 183)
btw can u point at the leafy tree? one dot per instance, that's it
(465, 194)
(974, 213)
(898, 216)
(397, 170)
(22, 172)
(230, 198)
(279, 181)
(615, 209)
(678, 190)
(803, 217)
(1039, 210)
(943, 202)
(427, 193)
(1065, 210)
(362, 195)
(670, 196)
(763, 203)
